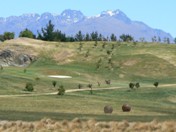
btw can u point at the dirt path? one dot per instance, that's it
(54, 93)
(74, 90)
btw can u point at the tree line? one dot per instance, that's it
(49, 33)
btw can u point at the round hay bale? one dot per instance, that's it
(126, 108)
(108, 109)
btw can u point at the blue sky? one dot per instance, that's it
(155, 13)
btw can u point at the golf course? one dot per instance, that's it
(83, 70)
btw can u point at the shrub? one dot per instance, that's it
(137, 85)
(108, 82)
(131, 85)
(87, 53)
(61, 90)
(29, 87)
(108, 52)
(113, 46)
(96, 43)
(37, 78)
(80, 86)
(104, 44)
(156, 84)
(54, 83)
(90, 86)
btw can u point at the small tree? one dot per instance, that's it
(54, 83)
(27, 33)
(87, 54)
(9, 35)
(90, 86)
(29, 87)
(131, 85)
(96, 43)
(61, 90)
(80, 86)
(126, 38)
(156, 84)
(137, 85)
(47, 33)
(113, 37)
(108, 82)
(104, 44)
(79, 36)
(175, 40)
(80, 46)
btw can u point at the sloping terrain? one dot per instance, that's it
(89, 63)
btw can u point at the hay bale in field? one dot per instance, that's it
(108, 109)
(126, 108)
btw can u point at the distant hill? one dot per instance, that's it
(71, 21)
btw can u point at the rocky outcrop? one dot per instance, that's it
(11, 58)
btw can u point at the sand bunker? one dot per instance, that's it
(59, 76)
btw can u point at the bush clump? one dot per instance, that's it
(61, 90)
(29, 87)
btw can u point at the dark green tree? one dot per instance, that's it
(90, 86)
(113, 37)
(59, 36)
(87, 38)
(47, 33)
(156, 84)
(80, 86)
(137, 85)
(126, 38)
(27, 33)
(9, 35)
(175, 40)
(154, 39)
(94, 36)
(54, 83)
(29, 87)
(168, 41)
(79, 36)
(131, 85)
(61, 90)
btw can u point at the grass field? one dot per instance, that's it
(121, 63)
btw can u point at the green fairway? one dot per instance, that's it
(145, 63)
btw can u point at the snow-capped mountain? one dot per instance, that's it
(71, 21)
(71, 16)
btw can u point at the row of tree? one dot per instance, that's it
(50, 34)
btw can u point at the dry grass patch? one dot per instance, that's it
(77, 125)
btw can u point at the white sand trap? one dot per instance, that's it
(59, 76)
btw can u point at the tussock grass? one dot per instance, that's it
(77, 125)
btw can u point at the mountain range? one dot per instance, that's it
(71, 21)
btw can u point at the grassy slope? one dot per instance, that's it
(144, 63)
